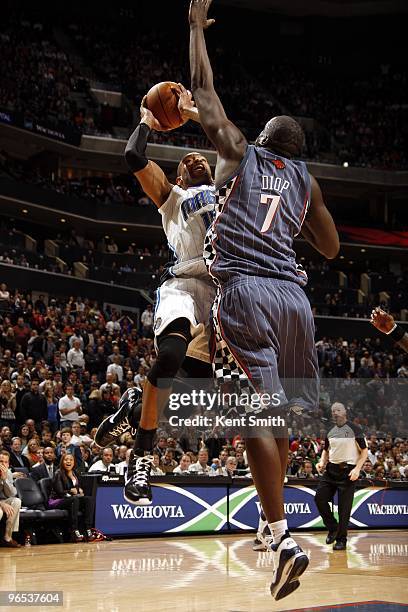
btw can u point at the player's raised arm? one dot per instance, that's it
(150, 176)
(318, 228)
(225, 136)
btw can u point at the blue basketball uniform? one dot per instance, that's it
(262, 320)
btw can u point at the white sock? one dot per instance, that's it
(262, 523)
(278, 529)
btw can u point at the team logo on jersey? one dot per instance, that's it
(279, 164)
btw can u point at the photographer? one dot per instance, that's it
(344, 454)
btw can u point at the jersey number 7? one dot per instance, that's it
(273, 203)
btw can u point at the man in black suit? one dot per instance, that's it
(47, 468)
(34, 405)
(17, 459)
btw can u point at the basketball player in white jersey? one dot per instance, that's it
(181, 323)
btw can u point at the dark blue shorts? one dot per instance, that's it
(264, 338)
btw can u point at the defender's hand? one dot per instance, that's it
(197, 15)
(186, 105)
(383, 321)
(146, 116)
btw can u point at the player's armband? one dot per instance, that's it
(397, 333)
(135, 152)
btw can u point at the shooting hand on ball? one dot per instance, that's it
(147, 117)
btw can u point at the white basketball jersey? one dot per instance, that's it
(186, 215)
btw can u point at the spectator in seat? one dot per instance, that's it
(156, 471)
(184, 467)
(168, 463)
(116, 368)
(122, 467)
(67, 494)
(161, 446)
(47, 468)
(201, 466)
(394, 474)
(140, 378)
(115, 353)
(111, 386)
(368, 470)
(17, 459)
(7, 406)
(105, 464)
(24, 435)
(147, 321)
(176, 448)
(52, 407)
(46, 439)
(5, 437)
(75, 356)
(22, 333)
(66, 446)
(380, 472)
(32, 452)
(241, 464)
(34, 405)
(86, 457)
(10, 504)
(306, 470)
(57, 366)
(91, 360)
(20, 389)
(69, 407)
(79, 434)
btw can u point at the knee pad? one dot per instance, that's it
(170, 356)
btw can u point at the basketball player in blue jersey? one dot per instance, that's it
(184, 299)
(263, 324)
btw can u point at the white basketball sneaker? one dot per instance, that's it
(262, 541)
(290, 563)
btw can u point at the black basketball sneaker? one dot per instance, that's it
(125, 418)
(137, 485)
(290, 563)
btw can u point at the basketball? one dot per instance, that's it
(162, 101)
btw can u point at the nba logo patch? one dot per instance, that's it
(157, 323)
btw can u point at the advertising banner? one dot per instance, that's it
(175, 509)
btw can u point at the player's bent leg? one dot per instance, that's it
(126, 418)
(172, 347)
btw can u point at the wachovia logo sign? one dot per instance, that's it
(125, 511)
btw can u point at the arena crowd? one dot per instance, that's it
(72, 353)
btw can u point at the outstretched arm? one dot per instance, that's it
(318, 227)
(225, 136)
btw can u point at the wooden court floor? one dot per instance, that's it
(208, 573)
